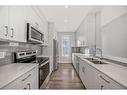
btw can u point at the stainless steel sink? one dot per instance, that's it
(90, 59)
(98, 62)
(95, 61)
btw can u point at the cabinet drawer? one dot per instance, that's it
(30, 79)
(108, 83)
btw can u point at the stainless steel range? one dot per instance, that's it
(31, 57)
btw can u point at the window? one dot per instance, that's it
(65, 45)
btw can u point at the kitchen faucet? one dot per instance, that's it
(100, 50)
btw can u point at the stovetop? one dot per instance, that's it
(41, 60)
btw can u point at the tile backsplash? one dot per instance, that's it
(5, 47)
(80, 49)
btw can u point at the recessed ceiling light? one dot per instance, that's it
(66, 6)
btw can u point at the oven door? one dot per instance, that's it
(43, 73)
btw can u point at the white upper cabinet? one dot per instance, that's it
(32, 17)
(4, 22)
(36, 20)
(17, 23)
(98, 39)
(86, 31)
(89, 32)
(12, 23)
(90, 29)
(46, 34)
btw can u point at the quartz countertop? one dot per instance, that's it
(10, 72)
(42, 56)
(116, 72)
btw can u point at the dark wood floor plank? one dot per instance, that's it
(65, 78)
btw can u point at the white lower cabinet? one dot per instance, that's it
(107, 83)
(75, 62)
(27, 81)
(94, 79)
(88, 76)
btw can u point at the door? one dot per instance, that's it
(4, 22)
(66, 49)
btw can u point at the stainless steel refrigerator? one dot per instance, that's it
(55, 55)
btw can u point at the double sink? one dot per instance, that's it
(95, 61)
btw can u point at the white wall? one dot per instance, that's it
(114, 31)
(72, 42)
(110, 13)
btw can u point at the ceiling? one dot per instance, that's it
(66, 18)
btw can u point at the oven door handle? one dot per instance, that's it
(44, 63)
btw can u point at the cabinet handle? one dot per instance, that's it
(6, 30)
(28, 85)
(102, 87)
(26, 77)
(12, 32)
(83, 68)
(104, 79)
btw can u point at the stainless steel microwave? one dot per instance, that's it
(34, 35)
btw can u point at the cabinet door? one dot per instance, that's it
(88, 76)
(90, 29)
(30, 80)
(17, 23)
(34, 78)
(98, 30)
(32, 17)
(75, 61)
(26, 81)
(46, 34)
(4, 22)
(81, 71)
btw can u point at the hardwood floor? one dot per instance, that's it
(65, 78)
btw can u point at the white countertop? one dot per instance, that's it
(10, 72)
(116, 72)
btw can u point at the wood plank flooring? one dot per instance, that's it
(65, 78)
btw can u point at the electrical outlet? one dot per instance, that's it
(13, 44)
(2, 54)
